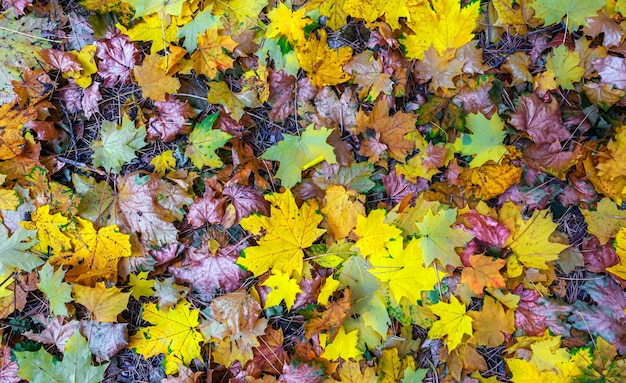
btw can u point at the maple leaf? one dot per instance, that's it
(170, 121)
(283, 287)
(374, 234)
(530, 240)
(118, 57)
(605, 221)
(288, 231)
(219, 269)
(105, 339)
(55, 290)
(484, 272)
(344, 346)
(48, 227)
(439, 239)
(297, 154)
(155, 82)
(441, 69)
(324, 66)
(575, 12)
(342, 208)
(76, 366)
(203, 141)
(233, 103)
(485, 142)
(287, 24)
(491, 323)
(140, 286)
(173, 334)
(55, 333)
(62, 61)
(201, 22)
(393, 130)
(442, 24)
(454, 323)
(152, 28)
(103, 303)
(335, 13)
(141, 203)
(208, 209)
(12, 140)
(565, 67)
(237, 314)
(532, 115)
(368, 74)
(210, 57)
(118, 144)
(403, 269)
(19, 50)
(485, 228)
(245, 200)
(94, 254)
(14, 254)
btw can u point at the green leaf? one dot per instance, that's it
(118, 144)
(485, 142)
(565, 66)
(52, 286)
(297, 154)
(575, 12)
(204, 141)
(203, 21)
(13, 250)
(41, 367)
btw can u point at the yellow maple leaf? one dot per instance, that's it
(164, 162)
(374, 234)
(490, 179)
(403, 269)
(234, 103)
(530, 240)
(342, 209)
(605, 221)
(283, 287)
(94, 254)
(210, 57)
(287, 24)
(49, 231)
(565, 67)
(152, 28)
(103, 303)
(173, 334)
(154, 81)
(323, 65)
(334, 10)
(140, 286)
(613, 164)
(344, 346)
(439, 239)
(86, 58)
(240, 14)
(453, 323)
(446, 26)
(288, 231)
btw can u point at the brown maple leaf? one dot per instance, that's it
(392, 129)
(170, 120)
